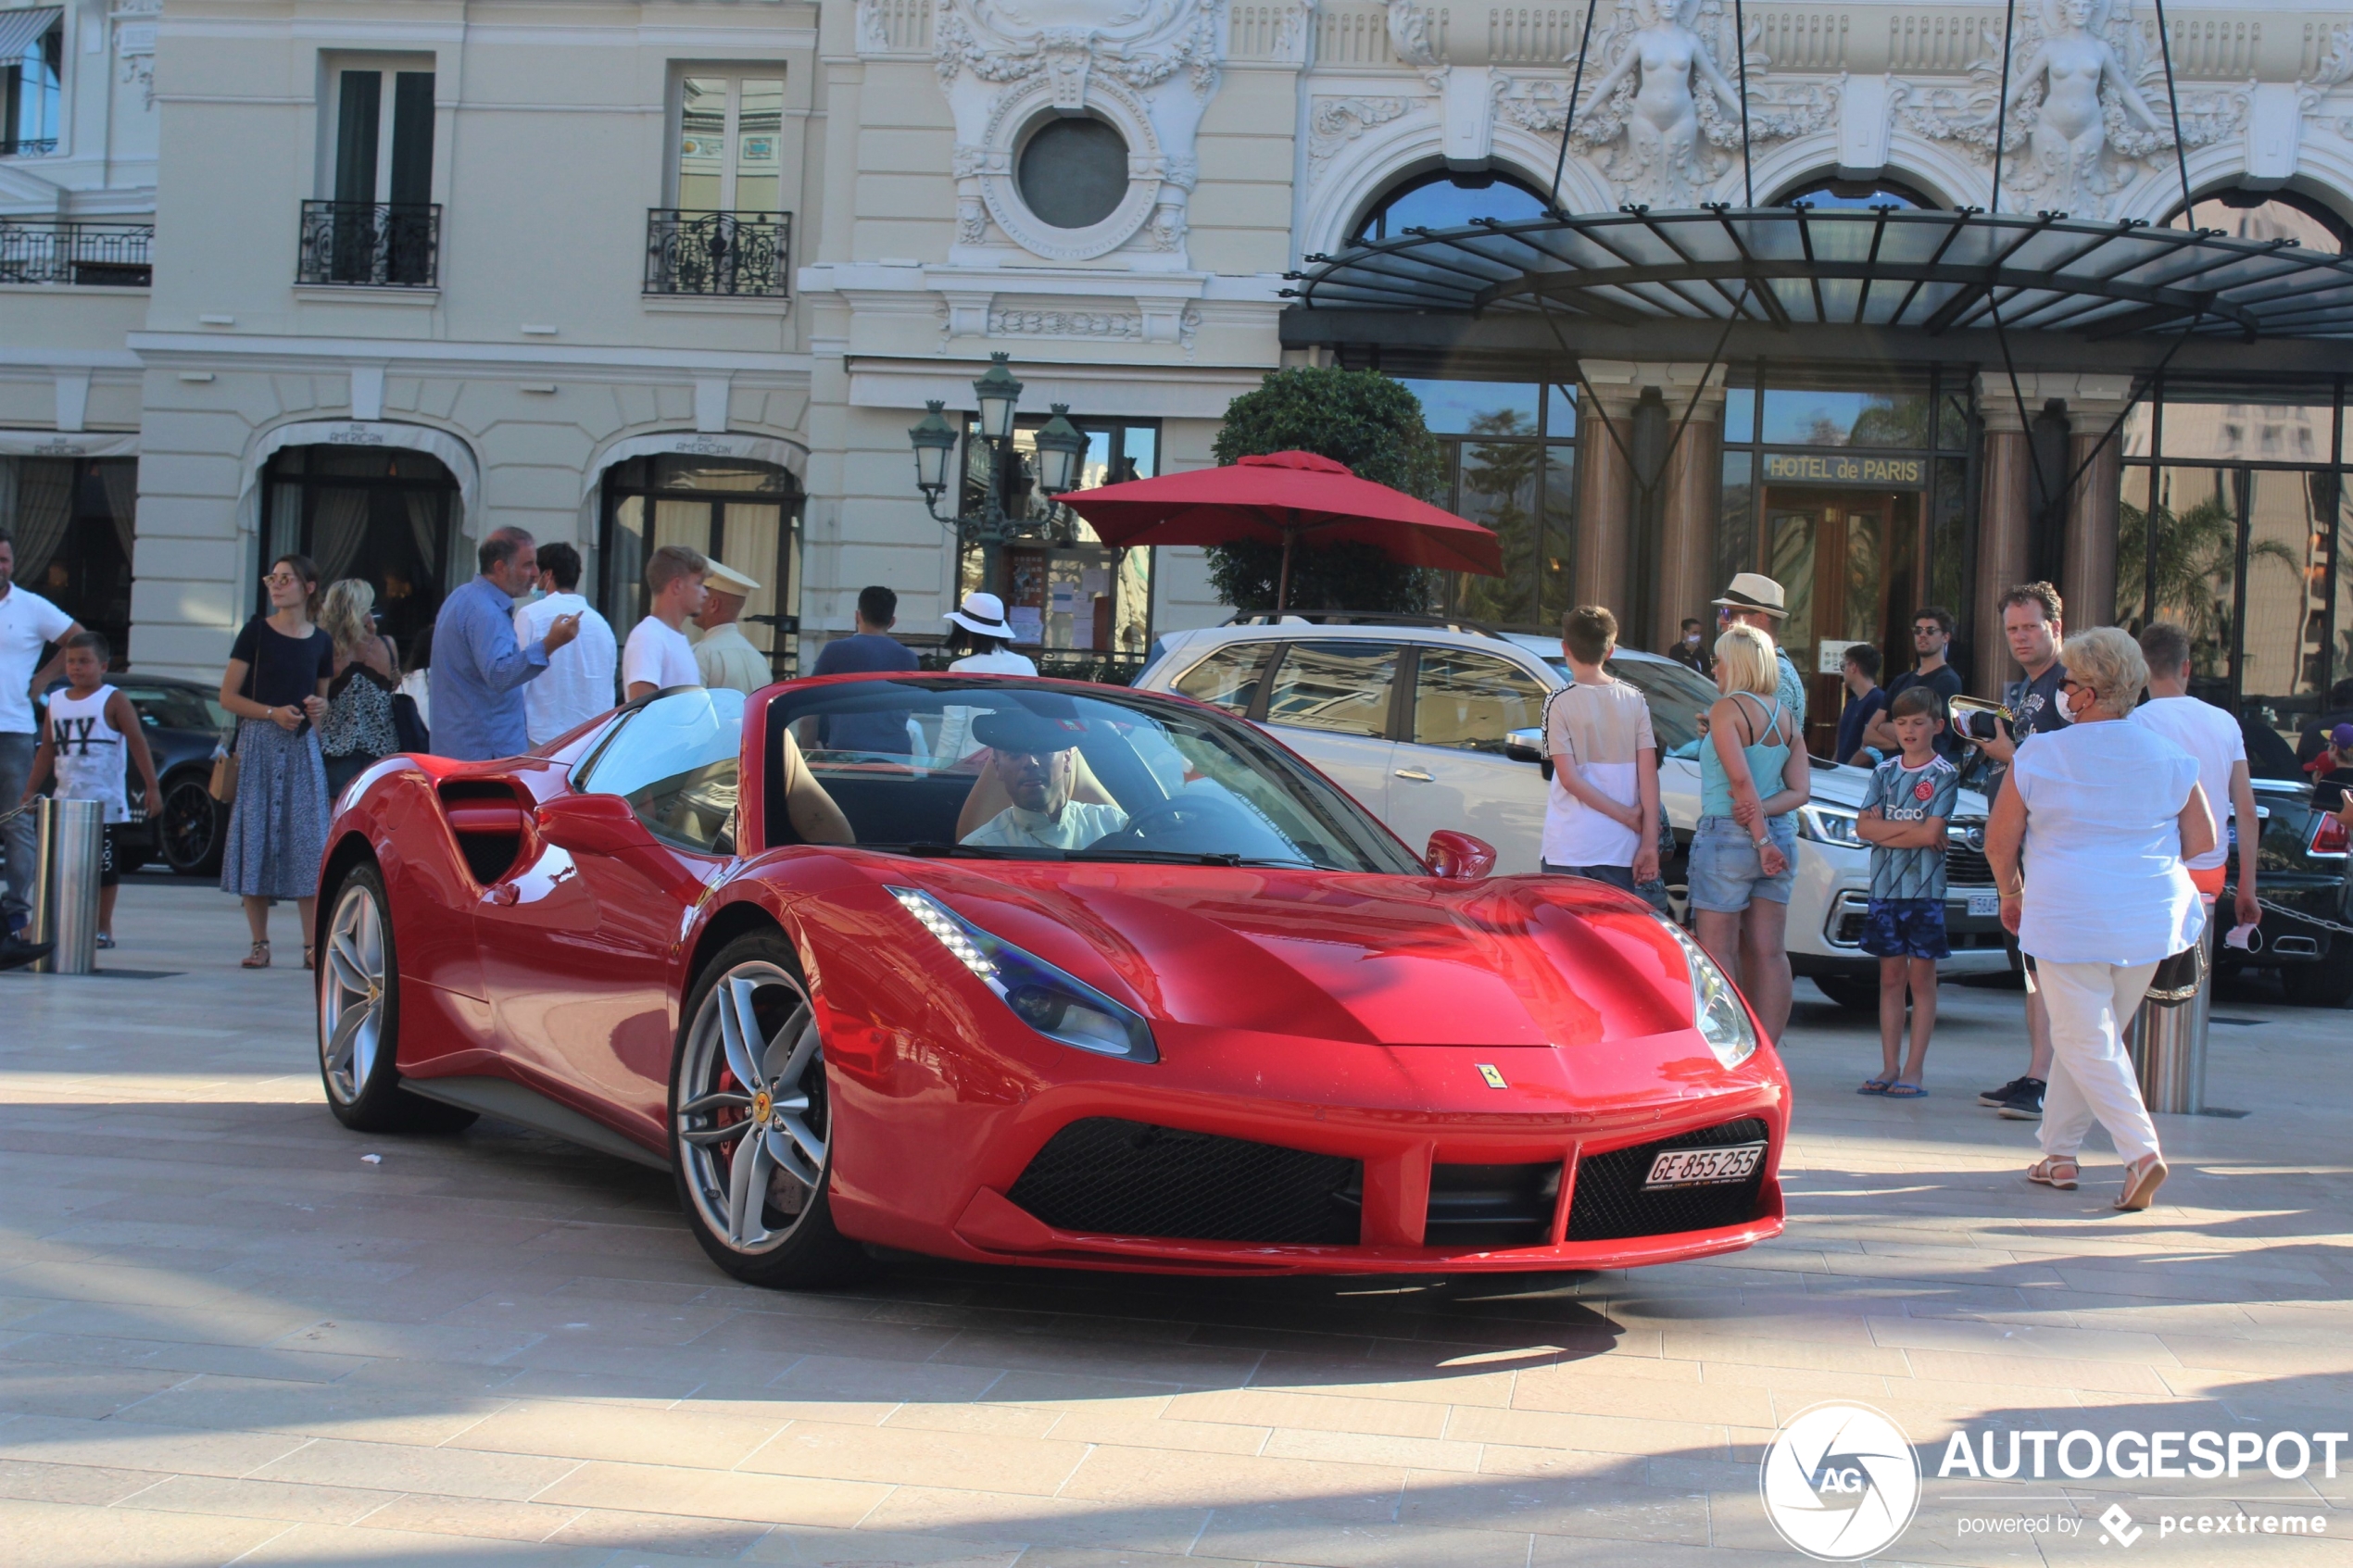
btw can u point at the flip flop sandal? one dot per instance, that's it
(1874, 1086)
(2048, 1172)
(2141, 1178)
(1901, 1090)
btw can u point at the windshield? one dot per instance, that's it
(1031, 771)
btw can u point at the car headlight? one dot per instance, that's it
(1828, 824)
(1716, 1012)
(1058, 1004)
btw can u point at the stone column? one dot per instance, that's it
(2004, 497)
(1602, 565)
(1692, 507)
(2087, 577)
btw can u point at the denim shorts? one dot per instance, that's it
(1725, 869)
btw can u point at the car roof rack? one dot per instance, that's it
(1370, 618)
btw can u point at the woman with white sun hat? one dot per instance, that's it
(978, 628)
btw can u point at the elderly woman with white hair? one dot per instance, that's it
(2105, 814)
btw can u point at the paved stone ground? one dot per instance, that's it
(225, 1337)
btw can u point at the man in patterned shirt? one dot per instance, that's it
(1911, 798)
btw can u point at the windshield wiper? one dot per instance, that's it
(933, 848)
(1183, 858)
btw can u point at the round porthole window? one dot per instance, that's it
(1073, 172)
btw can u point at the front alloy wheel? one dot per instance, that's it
(750, 1123)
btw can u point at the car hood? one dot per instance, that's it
(1379, 960)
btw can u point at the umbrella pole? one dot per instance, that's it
(1282, 583)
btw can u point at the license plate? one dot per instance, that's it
(1700, 1167)
(1983, 904)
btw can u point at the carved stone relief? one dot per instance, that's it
(2087, 112)
(1147, 68)
(1332, 123)
(1662, 121)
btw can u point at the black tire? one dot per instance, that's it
(358, 986)
(1847, 991)
(2327, 984)
(791, 1243)
(194, 827)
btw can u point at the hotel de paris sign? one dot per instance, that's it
(1836, 467)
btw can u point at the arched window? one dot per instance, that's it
(382, 514)
(1861, 194)
(2267, 215)
(1447, 200)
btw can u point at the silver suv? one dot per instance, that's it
(1417, 720)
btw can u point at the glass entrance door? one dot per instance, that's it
(1849, 563)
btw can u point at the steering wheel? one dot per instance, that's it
(1218, 824)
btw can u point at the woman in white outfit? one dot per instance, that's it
(2105, 814)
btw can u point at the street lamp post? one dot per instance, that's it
(1003, 516)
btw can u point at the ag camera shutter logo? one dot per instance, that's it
(1840, 1481)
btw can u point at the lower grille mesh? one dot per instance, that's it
(1608, 1202)
(1128, 1178)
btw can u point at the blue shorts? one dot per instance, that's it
(1726, 873)
(1906, 928)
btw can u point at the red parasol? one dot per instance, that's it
(1286, 496)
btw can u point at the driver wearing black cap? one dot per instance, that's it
(1036, 764)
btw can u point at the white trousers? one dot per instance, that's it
(2091, 1072)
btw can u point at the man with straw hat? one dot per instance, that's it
(724, 654)
(1755, 599)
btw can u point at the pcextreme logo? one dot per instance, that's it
(1840, 1481)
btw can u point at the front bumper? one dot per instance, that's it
(1414, 1128)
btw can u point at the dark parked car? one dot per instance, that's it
(185, 724)
(2301, 867)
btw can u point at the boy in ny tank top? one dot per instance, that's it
(89, 735)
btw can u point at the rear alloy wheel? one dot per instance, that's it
(360, 1020)
(750, 1123)
(190, 831)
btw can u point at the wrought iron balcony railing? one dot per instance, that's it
(54, 251)
(387, 245)
(37, 146)
(718, 253)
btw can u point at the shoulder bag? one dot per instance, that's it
(224, 786)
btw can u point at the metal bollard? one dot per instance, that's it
(2168, 1039)
(64, 898)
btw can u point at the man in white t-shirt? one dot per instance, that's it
(1035, 763)
(28, 623)
(578, 683)
(2214, 738)
(658, 657)
(1600, 816)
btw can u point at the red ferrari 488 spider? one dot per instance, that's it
(1029, 971)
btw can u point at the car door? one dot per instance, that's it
(577, 940)
(1451, 771)
(1330, 700)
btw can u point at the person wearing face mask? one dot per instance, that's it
(2088, 842)
(1691, 650)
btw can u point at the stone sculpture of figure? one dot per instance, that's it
(1662, 123)
(2071, 65)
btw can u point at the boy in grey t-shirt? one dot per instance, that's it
(1911, 798)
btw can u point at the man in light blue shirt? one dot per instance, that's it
(478, 671)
